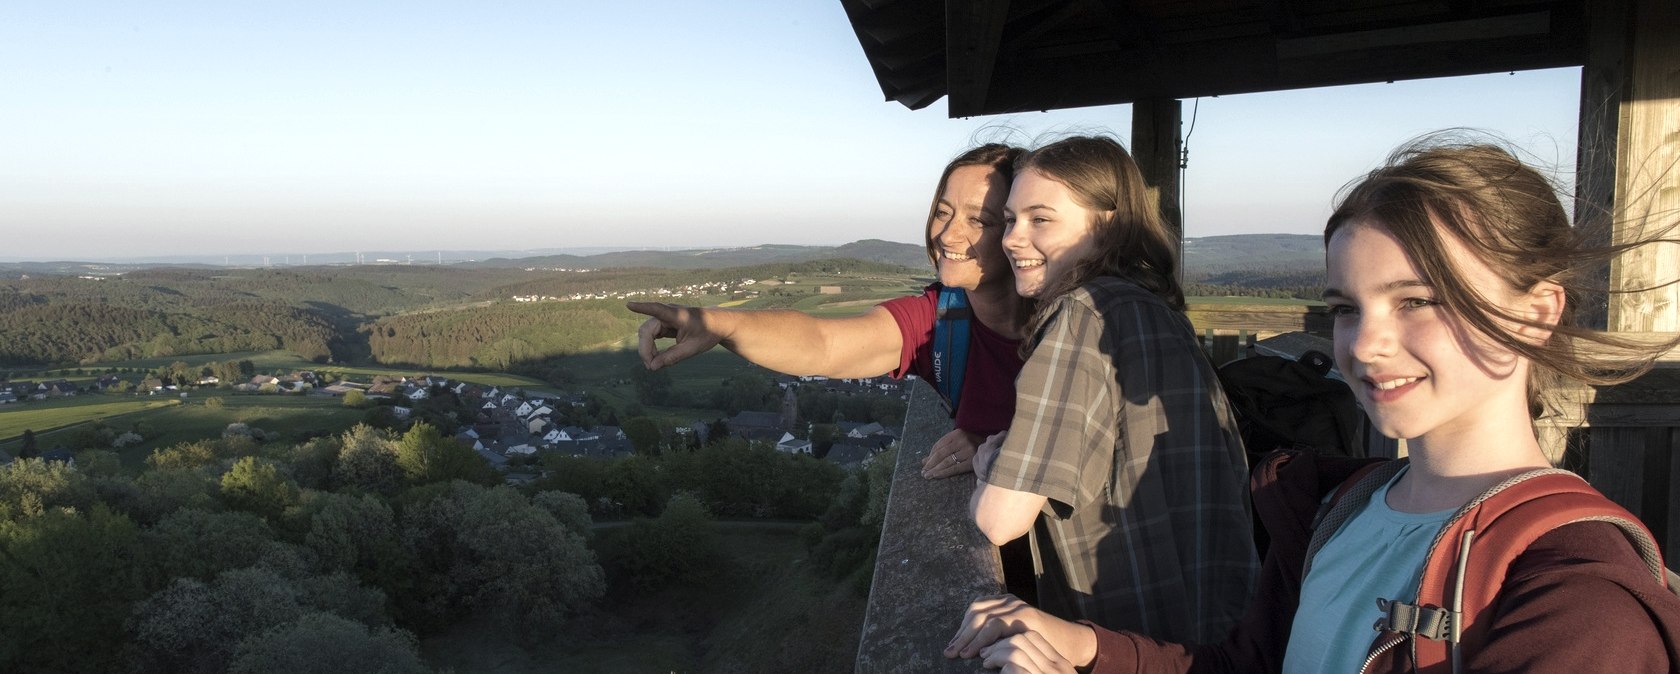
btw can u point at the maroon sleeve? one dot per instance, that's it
(915, 316)
(1580, 600)
(988, 393)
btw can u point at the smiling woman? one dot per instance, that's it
(973, 298)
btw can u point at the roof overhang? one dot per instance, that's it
(999, 56)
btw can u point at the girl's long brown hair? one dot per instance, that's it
(1132, 240)
(1509, 216)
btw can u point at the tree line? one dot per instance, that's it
(422, 316)
(40, 334)
(499, 336)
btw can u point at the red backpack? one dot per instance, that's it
(1479, 542)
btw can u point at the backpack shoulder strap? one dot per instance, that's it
(1468, 562)
(950, 344)
(1350, 496)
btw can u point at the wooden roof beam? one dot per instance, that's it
(973, 32)
(1254, 64)
(1283, 18)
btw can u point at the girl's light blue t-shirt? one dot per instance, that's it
(1377, 554)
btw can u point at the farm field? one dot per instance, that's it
(290, 417)
(1270, 301)
(46, 416)
(167, 421)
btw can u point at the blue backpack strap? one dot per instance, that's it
(950, 343)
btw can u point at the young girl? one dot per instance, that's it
(1123, 460)
(1449, 275)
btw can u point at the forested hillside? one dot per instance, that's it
(461, 315)
(869, 250)
(37, 332)
(421, 315)
(499, 336)
(1255, 265)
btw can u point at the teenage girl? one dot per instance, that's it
(1450, 278)
(1123, 460)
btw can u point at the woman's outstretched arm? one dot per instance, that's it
(783, 340)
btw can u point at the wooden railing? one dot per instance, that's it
(1623, 440)
(1226, 329)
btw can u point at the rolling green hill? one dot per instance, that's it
(868, 250)
(462, 315)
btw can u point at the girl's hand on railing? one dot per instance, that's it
(1025, 653)
(991, 620)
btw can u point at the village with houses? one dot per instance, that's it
(739, 289)
(510, 428)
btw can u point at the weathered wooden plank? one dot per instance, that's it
(1662, 415)
(972, 33)
(1672, 531)
(1655, 490)
(1660, 386)
(1261, 317)
(1616, 464)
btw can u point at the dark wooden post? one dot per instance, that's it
(1155, 145)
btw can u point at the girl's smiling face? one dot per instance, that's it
(1048, 233)
(1416, 367)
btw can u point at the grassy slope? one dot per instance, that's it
(168, 420)
(290, 416)
(48, 415)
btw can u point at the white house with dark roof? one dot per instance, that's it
(793, 445)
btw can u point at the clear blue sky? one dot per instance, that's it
(149, 128)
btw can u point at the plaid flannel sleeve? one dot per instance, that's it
(1061, 441)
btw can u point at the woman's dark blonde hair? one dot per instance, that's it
(1132, 240)
(998, 156)
(1509, 216)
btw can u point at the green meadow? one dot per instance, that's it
(288, 418)
(46, 416)
(165, 421)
